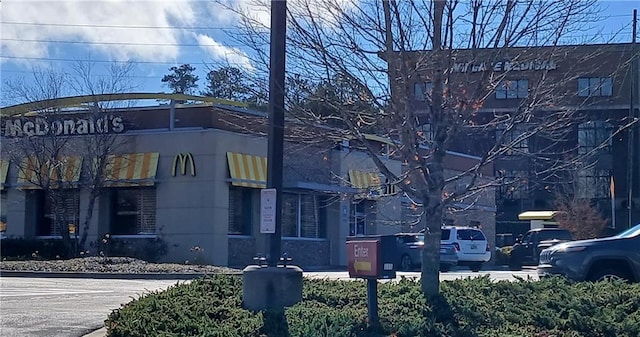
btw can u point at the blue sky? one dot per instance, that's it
(156, 35)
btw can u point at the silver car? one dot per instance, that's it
(409, 251)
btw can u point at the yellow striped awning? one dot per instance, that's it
(362, 179)
(133, 169)
(247, 170)
(372, 182)
(4, 170)
(36, 173)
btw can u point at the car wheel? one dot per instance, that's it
(475, 267)
(515, 263)
(445, 268)
(405, 263)
(609, 275)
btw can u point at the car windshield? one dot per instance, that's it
(556, 234)
(445, 234)
(412, 238)
(470, 234)
(629, 233)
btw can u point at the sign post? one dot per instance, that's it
(366, 258)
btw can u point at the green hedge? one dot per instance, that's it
(38, 249)
(470, 307)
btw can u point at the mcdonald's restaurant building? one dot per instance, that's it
(191, 176)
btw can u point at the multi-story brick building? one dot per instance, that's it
(593, 83)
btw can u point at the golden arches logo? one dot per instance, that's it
(182, 159)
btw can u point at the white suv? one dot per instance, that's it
(471, 245)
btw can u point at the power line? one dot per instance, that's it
(92, 75)
(175, 27)
(106, 61)
(110, 26)
(120, 43)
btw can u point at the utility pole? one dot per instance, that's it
(276, 121)
(631, 150)
(274, 287)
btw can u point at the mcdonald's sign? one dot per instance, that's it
(182, 159)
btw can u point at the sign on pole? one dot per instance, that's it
(268, 211)
(362, 258)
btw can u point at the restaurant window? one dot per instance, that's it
(422, 91)
(134, 211)
(303, 215)
(241, 210)
(3, 211)
(426, 132)
(361, 211)
(508, 89)
(595, 86)
(57, 210)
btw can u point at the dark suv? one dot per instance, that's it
(527, 251)
(616, 257)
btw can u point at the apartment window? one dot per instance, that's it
(514, 184)
(422, 91)
(241, 209)
(134, 211)
(509, 89)
(594, 137)
(592, 183)
(303, 215)
(515, 140)
(57, 210)
(595, 86)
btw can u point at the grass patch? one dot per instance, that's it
(469, 307)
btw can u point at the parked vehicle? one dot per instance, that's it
(527, 251)
(470, 243)
(615, 257)
(409, 248)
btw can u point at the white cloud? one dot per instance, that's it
(233, 56)
(102, 25)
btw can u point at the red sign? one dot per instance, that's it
(362, 258)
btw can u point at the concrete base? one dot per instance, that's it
(271, 288)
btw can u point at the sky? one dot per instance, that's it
(154, 36)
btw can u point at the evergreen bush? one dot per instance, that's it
(469, 307)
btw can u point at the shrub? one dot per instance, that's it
(33, 249)
(466, 308)
(148, 249)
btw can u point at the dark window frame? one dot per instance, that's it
(512, 89)
(133, 211)
(301, 221)
(46, 224)
(595, 87)
(241, 220)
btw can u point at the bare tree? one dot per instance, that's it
(579, 217)
(59, 155)
(463, 53)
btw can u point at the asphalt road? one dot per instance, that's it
(62, 307)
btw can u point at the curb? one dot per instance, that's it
(97, 333)
(127, 276)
